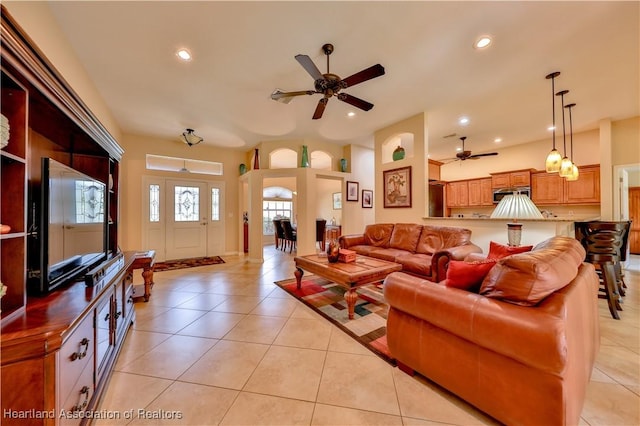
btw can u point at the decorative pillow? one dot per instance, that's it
(498, 251)
(468, 275)
(527, 278)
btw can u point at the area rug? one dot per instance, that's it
(187, 263)
(369, 325)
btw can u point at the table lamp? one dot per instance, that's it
(515, 206)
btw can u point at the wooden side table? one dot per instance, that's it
(145, 260)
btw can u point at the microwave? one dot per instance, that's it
(499, 194)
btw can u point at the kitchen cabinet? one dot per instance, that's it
(458, 194)
(434, 169)
(480, 192)
(513, 179)
(551, 188)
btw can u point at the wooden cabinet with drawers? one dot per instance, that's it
(513, 179)
(551, 188)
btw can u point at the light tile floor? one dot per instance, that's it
(223, 344)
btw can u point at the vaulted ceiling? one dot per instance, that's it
(243, 51)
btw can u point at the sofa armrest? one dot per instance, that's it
(440, 259)
(347, 241)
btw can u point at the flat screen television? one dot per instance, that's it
(72, 226)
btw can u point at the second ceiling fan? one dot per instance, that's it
(330, 85)
(466, 155)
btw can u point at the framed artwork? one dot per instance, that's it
(352, 191)
(337, 200)
(397, 187)
(367, 198)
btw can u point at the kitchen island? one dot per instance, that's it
(485, 229)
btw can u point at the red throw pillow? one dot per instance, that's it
(468, 275)
(498, 251)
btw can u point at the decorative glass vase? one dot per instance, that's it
(242, 168)
(333, 250)
(305, 157)
(343, 165)
(398, 153)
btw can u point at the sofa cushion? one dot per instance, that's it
(388, 254)
(415, 263)
(405, 236)
(468, 275)
(527, 278)
(436, 238)
(498, 251)
(378, 234)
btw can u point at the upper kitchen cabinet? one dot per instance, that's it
(458, 194)
(480, 192)
(513, 179)
(551, 188)
(434, 169)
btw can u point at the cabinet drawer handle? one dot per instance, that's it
(80, 406)
(81, 353)
(106, 317)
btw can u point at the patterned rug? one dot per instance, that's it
(186, 263)
(369, 325)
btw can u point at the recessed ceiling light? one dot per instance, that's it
(351, 114)
(550, 128)
(458, 149)
(464, 121)
(482, 42)
(184, 54)
(497, 140)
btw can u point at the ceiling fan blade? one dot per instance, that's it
(322, 103)
(356, 102)
(308, 65)
(367, 74)
(474, 156)
(279, 95)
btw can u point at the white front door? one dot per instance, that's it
(183, 218)
(187, 219)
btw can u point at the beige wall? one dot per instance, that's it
(36, 19)
(416, 125)
(133, 168)
(625, 137)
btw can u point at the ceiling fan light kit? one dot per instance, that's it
(190, 138)
(329, 84)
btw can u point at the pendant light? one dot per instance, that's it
(565, 164)
(574, 169)
(552, 164)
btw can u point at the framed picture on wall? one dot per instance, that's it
(337, 200)
(367, 198)
(352, 191)
(397, 187)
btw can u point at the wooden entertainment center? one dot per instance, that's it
(59, 348)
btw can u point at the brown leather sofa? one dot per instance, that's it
(422, 250)
(521, 364)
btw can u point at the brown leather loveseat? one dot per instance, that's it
(422, 250)
(522, 350)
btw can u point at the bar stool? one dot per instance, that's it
(603, 242)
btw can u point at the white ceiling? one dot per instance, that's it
(242, 51)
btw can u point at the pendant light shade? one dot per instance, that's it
(565, 164)
(552, 164)
(573, 175)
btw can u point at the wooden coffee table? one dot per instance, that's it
(365, 270)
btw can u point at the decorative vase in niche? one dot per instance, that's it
(398, 153)
(256, 159)
(305, 157)
(333, 250)
(242, 168)
(343, 164)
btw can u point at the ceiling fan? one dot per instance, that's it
(466, 155)
(331, 84)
